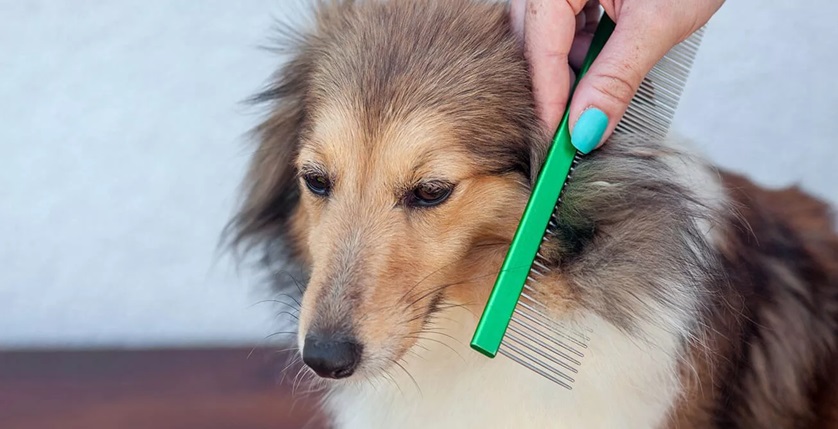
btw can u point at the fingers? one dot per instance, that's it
(586, 23)
(516, 13)
(549, 27)
(645, 32)
(604, 93)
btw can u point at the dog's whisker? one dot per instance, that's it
(421, 346)
(296, 360)
(437, 332)
(420, 337)
(252, 350)
(296, 281)
(447, 285)
(297, 379)
(285, 350)
(415, 383)
(389, 376)
(277, 301)
(291, 297)
(288, 313)
(269, 336)
(413, 353)
(431, 292)
(404, 295)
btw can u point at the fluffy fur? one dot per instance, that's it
(712, 302)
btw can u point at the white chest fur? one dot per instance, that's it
(623, 383)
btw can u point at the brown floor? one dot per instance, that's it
(155, 389)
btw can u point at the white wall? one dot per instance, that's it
(122, 143)
(763, 95)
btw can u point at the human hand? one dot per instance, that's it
(557, 34)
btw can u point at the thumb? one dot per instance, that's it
(604, 93)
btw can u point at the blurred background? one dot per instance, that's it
(123, 141)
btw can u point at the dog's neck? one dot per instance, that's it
(442, 383)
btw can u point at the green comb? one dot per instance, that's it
(514, 323)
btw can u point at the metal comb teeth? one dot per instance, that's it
(652, 109)
(538, 342)
(534, 338)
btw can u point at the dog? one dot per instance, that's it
(396, 161)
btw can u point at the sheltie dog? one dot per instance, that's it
(398, 156)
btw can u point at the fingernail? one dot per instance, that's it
(589, 130)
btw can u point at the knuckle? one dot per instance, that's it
(555, 54)
(615, 87)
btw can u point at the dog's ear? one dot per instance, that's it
(270, 188)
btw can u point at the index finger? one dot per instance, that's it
(549, 28)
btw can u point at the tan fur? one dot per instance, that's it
(360, 248)
(734, 287)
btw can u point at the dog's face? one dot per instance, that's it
(396, 163)
(396, 168)
(394, 221)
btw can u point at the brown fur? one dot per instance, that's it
(773, 318)
(367, 121)
(384, 96)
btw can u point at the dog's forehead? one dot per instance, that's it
(419, 144)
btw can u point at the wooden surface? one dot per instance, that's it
(155, 389)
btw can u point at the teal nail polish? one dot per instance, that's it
(589, 130)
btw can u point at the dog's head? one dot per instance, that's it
(396, 163)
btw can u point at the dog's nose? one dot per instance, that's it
(331, 358)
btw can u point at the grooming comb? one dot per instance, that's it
(514, 323)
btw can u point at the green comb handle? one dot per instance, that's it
(522, 252)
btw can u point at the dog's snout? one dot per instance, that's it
(330, 357)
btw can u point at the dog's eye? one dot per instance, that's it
(429, 194)
(318, 184)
